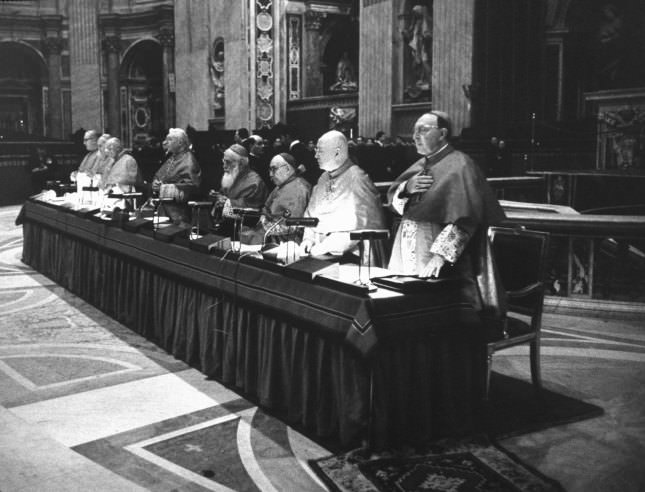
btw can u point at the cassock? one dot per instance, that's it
(182, 171)
(290, 198)
(88, 163)
(344, 200)
(451, 219)
(248, 190)
(124, 173)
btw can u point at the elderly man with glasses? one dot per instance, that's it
(90, 140)
(446, 206)
(344, 199)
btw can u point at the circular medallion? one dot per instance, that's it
(265, 111)
(264, 21)
(141, 117)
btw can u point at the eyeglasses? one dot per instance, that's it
(425, 128)
(274, 169)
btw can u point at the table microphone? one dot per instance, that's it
(302, 221)
(203, 204)
(285, 215)
(246, 212)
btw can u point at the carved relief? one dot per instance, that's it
(216, 70)
(294, 41)
(264, 62)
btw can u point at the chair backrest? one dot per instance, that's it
(520, 256)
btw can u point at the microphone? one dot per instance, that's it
(200, 204)
(302, 221)
(131, 194)
(246, 212)
(285, 215)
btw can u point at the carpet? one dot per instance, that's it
(474, 464)
(515, 408)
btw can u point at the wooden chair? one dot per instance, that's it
(520, 257)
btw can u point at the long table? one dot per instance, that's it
(390, 368)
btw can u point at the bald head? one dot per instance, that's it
(331, 150)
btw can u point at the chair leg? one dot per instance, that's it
(536, 377)
(489, 366)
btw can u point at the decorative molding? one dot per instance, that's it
(166, 37)
(314, 20)
(111, 44)
(294, 35)
(264, 63)
(53, 45)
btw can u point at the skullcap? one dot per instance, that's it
(239, 150)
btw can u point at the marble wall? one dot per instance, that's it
(197, 24)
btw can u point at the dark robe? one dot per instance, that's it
(459, 195)
(248, 190)
(181, 170)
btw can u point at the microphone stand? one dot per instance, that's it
(195, 215)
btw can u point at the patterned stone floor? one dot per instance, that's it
(85, 404)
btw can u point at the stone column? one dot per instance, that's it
(313, 79)
(84, 50)
(112, 45)
(452, 59)
(167, 39)
(53, 47)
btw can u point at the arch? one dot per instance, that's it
(29, 52)
(141, 87)
(23, 75)
(142, 54)
(127, 52)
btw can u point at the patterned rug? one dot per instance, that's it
(456, 466)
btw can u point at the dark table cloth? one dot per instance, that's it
(399, 368)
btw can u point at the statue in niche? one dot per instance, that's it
(216, 70)
(417, 33)
(345, 75)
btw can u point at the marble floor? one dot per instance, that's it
(86, 404)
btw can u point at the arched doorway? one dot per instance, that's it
(142, 115)
(22, 81)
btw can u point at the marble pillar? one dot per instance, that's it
(167, 39)
(192, 49)
(452, 55)
(112, 46)
(53, 47)
(312, 82)
(87, 111)
(375, 68)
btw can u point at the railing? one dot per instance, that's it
(595, 261)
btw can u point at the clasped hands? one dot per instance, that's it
(218, 197)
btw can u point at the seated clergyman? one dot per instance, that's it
(179, 177)
(344, 199)
(289, 198)
(124, 174)
(241, 187)
(90, 140)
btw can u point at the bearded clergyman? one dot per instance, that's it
(241, 186)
